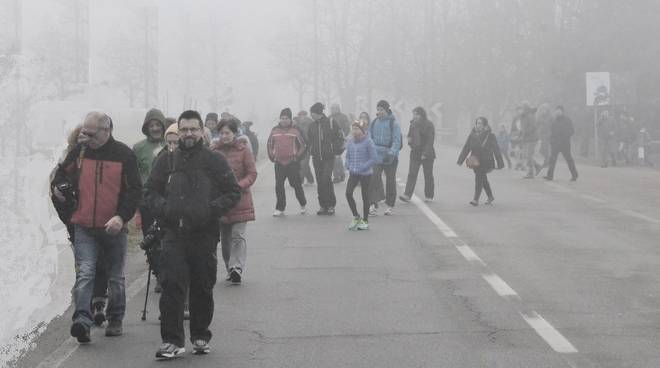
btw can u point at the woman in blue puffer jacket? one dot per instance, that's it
(360, 158)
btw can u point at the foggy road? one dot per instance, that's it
(556, 274)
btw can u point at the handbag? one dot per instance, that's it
(472, 162)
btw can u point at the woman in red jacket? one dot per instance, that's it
(232, 225)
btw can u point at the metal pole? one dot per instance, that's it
(596, 152)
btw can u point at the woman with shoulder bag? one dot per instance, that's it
(480, 154)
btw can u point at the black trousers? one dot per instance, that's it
(481, 183)
(326, 191)
(188, 259)
(353, 181)
(305, 170)
(291, 172)
(413, 172)
(565, 150)
(390, 182)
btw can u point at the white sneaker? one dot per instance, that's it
(373, 211)
(428, 200)
(278, 213)
(389, 211)
(303, 210)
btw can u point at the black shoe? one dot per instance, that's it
(323, 212)
(114, 329)
(169, 351)
(574, 178)
(98, 311)
(474, 203)
(404, 198)
(80, 332)
(201, 347)
(236, 275)
(547, 178)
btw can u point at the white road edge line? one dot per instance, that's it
(70, 345)
(641, 216)
(592, 198)
(548, 333)
(500, 286)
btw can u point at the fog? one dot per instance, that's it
(460, 59)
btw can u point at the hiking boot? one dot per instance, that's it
(235, 275)
(114, 328)
(98, 312)
(80, 332)
(490, 200)
(404, 198)
(363, 225)
(186, 312)
(278, 213)
(389, 211)
(201, 347)
(169, 351)
(354, 223)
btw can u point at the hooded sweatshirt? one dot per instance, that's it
(147, 149)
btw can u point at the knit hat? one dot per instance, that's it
(286, 112)
(317, 108)
(384, 104)
(212, 116)
(172, 129)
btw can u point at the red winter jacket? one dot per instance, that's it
(241, 161)
(285, 144)
(107, 180)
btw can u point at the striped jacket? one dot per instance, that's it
(285, 144)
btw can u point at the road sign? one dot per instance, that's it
(598, 89)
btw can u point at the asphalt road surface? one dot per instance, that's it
(554, 274)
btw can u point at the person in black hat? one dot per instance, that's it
(325, 141)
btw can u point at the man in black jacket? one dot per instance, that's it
(325, 142)
(561, 132)
(188, 194)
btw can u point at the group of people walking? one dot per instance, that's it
(191, 179)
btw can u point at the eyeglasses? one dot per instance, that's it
(189, 130)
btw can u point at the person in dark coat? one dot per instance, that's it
(482, 144)
(561, 132)
(252, 136)
(421, 136)
(189, 193)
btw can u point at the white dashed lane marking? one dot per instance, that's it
(543, 328)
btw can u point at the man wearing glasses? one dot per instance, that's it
(104, 173)
(188, 193)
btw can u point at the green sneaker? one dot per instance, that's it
(354, 224)
(363, 225)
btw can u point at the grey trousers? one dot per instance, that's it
(234, 246)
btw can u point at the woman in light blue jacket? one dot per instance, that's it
(360, 158)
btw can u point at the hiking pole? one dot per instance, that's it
(146, 294)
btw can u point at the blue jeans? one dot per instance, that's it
(86, 247)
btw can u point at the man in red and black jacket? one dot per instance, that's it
(103, 172)
(286, 147)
